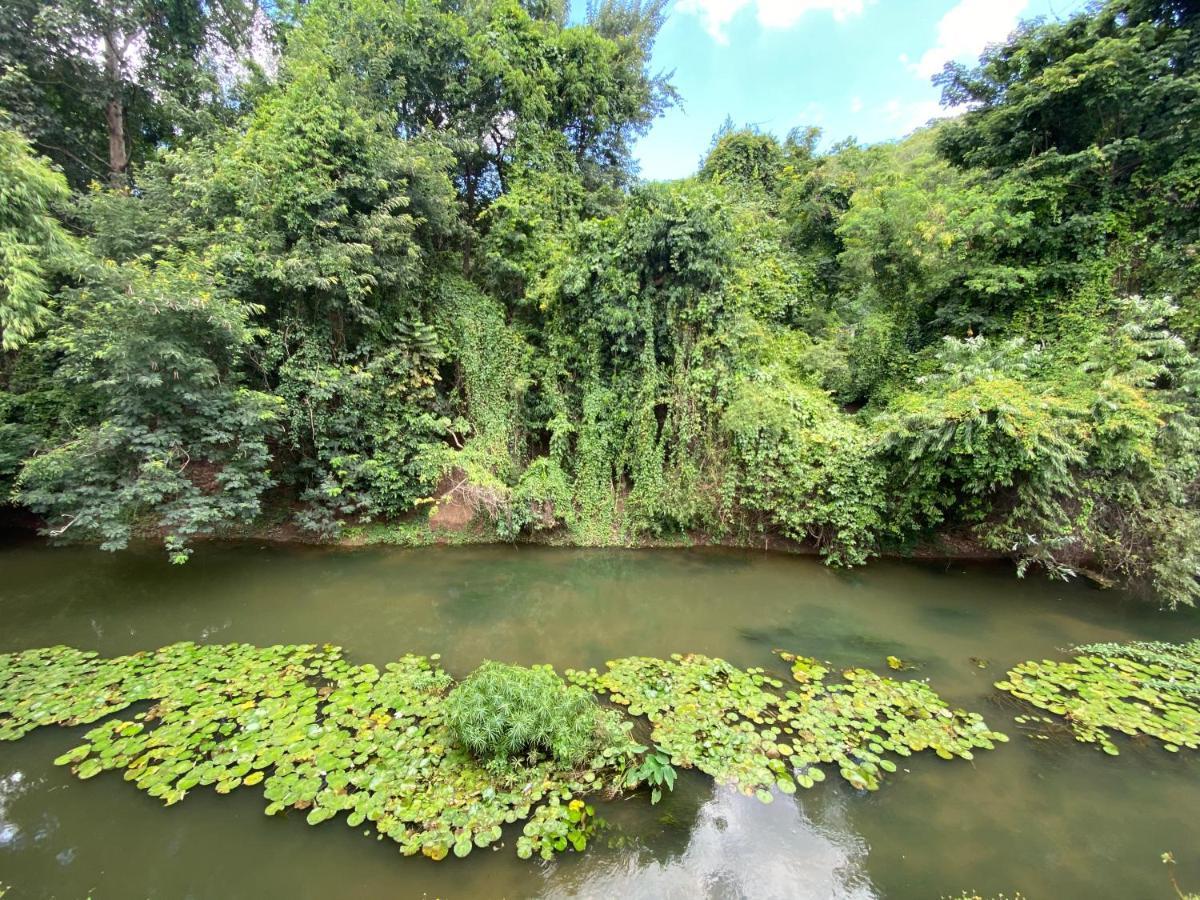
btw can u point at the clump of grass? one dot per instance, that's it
(507, 714)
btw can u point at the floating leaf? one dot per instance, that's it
(727, 722)
(1150, 688)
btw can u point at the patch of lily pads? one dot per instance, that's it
(742, 728)
(322, 737)
(1148, 689)
(318, 734)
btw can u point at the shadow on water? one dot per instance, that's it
(1049, 819)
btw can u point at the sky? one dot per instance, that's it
(854, 68)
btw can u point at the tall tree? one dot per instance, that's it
(488, 79)
(98, 85)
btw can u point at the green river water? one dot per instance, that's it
(1049, 819)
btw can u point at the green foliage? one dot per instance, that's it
(630, 323)
(361, 423)
(655, 770)
(976, 427)
(179, 439)
(100, 86)
(1062, 458)
(321, 736)
(32, 241)
(512, 715)
(810, 471)
(1138, 689)
(555, 826)
(319, 209)
(491, 378)
(1082, 123)
(326, 737)
(405, 265)
(736, 726)
(744, 159)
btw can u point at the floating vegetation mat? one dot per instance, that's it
(318, 734)
(739, 727)
(1150, 689)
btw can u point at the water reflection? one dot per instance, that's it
(12, 786)
(738, 847)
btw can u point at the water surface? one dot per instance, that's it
(1048, 819)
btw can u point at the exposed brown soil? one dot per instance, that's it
(454, 510)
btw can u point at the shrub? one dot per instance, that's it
(180, 445)
(976, 431)
(501, 713)
(809, 469)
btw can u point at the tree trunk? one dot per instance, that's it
(114, 114)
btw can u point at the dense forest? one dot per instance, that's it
(339, 263)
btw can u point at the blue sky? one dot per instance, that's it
(851, 67)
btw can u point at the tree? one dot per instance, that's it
(180, 445)
(98, 85)
(1087, 126)
(487, 79)
(746, 158)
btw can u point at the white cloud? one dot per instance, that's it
(856, 105)
(967, 29)
(716, 14)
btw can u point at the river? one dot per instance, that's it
(1048, 819)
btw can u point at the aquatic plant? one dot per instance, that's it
(655, 770)
(557, 824)
(64, 686)
(1168, 859)
(319, 734)
(734, 725)
(503, 713)
(1146, 688)
(441, 769)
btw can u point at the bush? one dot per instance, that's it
(501, 713)
(359, 421)
(809, 469)
(181, 446)
(978, 431)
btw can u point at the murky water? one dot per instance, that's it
(1048, 819)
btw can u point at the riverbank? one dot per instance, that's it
(433, 530)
